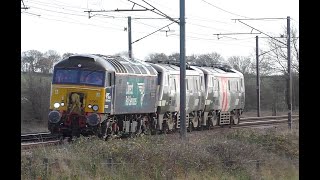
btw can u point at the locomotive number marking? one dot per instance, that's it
(108, 97)
(129, 89)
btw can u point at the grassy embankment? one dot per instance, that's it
(221, 154)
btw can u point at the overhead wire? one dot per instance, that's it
(151, 33)
(31, 13)
(155, 2)
(80, 23)
(211, 40)
(72, 14)
(74, 21)
(58, 11)
(207, 27)
(72, 9)
(139, 22)
(51, 2)
(223, 9)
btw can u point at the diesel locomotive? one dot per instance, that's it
(93, 94)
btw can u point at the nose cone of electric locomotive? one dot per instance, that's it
(54, 116)
(93, 119)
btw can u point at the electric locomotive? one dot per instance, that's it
(224, 96)
(215, 95)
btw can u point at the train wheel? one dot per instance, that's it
(146, 126)
(108, 134)
(170, 123)
(165, 127)
(195, 122)
(190, 126)
(235, 118)
(153, 127)
(103, 129)
(213, 121)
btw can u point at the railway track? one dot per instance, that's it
(265, 118)
(45, 138)
(262, 121)
(38, 139)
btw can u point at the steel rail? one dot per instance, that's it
(39, 144)
(37, 137)
(265, 117)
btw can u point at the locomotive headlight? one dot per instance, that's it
(62, 104)
(56, 105)
(90, 106)
(54, 116)
(95, 107)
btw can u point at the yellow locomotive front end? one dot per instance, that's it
(76, 110)
(77, 101)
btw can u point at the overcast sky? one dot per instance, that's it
(63, 26)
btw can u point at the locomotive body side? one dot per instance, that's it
(135, 91)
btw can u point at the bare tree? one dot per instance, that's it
(192, 59)
(67, 54)
(266, 65)
(241, 63)
(47, 61)
(54, 56)
(30, 60)
(209, 59)
(174, 57)
(278, 53)
(155, 57)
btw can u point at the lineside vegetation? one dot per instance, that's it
(226, 154)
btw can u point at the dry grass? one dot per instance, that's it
(231, 154)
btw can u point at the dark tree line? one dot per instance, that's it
(36, 61)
